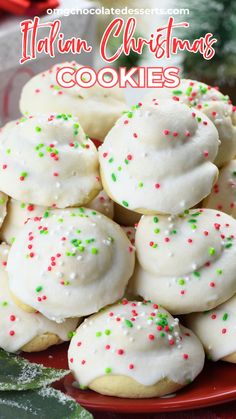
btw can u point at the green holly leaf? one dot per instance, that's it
(17, 373)
(44, 403)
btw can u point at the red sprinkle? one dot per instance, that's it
(151, 337)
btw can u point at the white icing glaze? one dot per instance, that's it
(97, 107)
(47, 160)
(137, 340)
(159, 158)
(18, 327)
(216, 329)
(79, 260)
(3, 207)
(19, 212)
(188, 262)
(213, 104)
(223, 194)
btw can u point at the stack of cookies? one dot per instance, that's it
(164, 170)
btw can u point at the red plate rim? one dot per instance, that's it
(97, 402)
(215, 385)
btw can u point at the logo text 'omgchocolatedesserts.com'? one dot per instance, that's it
(162, 44)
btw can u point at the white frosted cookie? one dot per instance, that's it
(3, 207)
(213, 104)
(97, 107)
(48, 160)
(26, 331)
(217, 330)
(186, 263)
(159, 159)
(70, 263)
(223, 194)
(124, 216)
(134, 349)
(19, 212)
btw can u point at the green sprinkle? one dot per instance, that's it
(181, 281)
(228, 245)
(157, 230)
(8, 151)
(219, 271)
(234, 173)
(81, 248)
(24, 174)
(2, 201)
(108, 370)
(140, 185)
(39, 288)
(38, 129)
(177, 92)
(155, 219)
(192, 220)
(40, 154)
(125, 203)
(113, 176)
(66, 283)
(71, 334)
(4, 303)
(76, 125)
(203, 89)
(211, 251)
(119, 168)
(162, 334)
(128, 323)
(110, 160)
(188, 91)
(98, 334)
(94, 251)
(196, 273)
(225, 317)
(199, 119)
(46, 214)
(107, 332)
(23, 205)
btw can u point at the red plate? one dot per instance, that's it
(215, 385)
